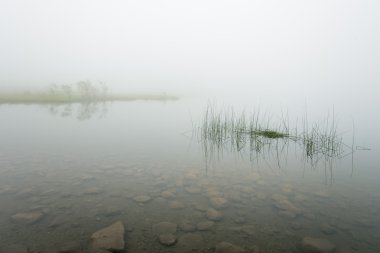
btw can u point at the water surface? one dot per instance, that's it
(81, 169)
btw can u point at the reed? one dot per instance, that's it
(222, 127)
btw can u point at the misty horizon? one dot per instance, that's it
(192, 48)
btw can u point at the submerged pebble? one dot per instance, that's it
(27, 218)
(317, 245)
(214, 215)
(189, 243)
(167, 239)
(205, 225)
(164, 227)
(142, 198)
(110, 238)
(226, 247)
(187, 226)
(218, 202)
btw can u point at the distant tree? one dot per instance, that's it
(53, 89)
(67, 90)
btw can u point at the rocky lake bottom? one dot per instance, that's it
(66, 206)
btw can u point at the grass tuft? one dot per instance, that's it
(258, 133)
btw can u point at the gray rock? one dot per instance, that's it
(110, 238)
(249, 230)
(167, 194)
(164, 228)
(317, 245)
(281, 202)
(240, 220)
(205, 225)
(218, 202)
(27, 217)
(167, 239)
(189, 243)
(187, 226)
(142, 198)
(214, 215)
(226, 247)
(193, 190)
(176, 205)
(70, 247)
(93, 191)
(327, 229)
(200, 207)
(58, 221)
(26, 193)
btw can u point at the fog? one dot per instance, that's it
(193, 47)
(272, 145)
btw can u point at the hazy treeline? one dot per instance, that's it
(83, 89)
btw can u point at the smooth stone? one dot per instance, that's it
(288, 188)
(193, 190)
(58, 221)
(189, 243)
(317, 245)
(261, 196)
(296, 225)
(214, 193)
(191, 176)
(226, 247)
(246, 190)
(249, 230)
(26, 193)
(282, 203)
(187, 226)
(200, 207)
(214, 215)
(300, 198)
(27, 217)
(176, 205)
(205, 225)
(322, 194)
(93, 191)
(327, 229)
(142, 198)
(167, 239)
(70, 247)
(240, 220)
(167, 194)
(110, 238)
(5, 189)
(164, 228)
(218, 202)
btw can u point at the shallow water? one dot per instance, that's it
(78, 170)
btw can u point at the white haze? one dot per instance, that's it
(280, 48)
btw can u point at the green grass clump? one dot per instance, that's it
(256, 133)
(271, 134)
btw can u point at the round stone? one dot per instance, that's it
(167, 239)
(142, 199)
(214, 215)
(205, 225)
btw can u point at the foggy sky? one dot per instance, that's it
(290, 46)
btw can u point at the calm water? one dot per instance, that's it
(66, 172)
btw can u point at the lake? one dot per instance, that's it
(69, 172)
